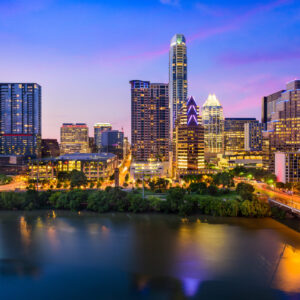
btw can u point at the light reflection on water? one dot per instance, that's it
(126, 256)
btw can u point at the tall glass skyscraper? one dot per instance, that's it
(99, 128)
(177, 77)
(213, 122)
(20, 119)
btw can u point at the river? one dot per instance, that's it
(64, 255)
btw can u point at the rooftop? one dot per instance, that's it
(211, 101)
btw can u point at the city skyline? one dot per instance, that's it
(227, 51)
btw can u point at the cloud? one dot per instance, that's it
(234, 59)
(211, 10)
(170, 2)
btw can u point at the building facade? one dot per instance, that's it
(213, 122)
(253, 136)
(112, 141)
(178, 88)
(20, 119)
(50, 148)
(281, 117)
(98, 129)
(234, 134)
(287, 166)
(93, 165)
(74, 138)
(189, 140)
(149, 120)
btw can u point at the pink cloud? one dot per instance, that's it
(240, 58)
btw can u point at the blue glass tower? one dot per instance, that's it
(20, 119)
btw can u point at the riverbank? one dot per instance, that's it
(176, 201)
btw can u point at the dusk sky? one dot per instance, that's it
(84, 53)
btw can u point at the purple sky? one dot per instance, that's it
(84, 53)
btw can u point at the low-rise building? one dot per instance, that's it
(94, 165)
(149, 169)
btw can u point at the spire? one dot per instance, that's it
(192, 114)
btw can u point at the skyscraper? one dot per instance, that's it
(98, 129)
(177, 76)
(253, 136)
(74, 138)
(20, 119)
(213, 122)
(189, 140)
(281, 118)
(234, 134)
(149, 120)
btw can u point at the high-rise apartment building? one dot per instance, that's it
(234, 134)
(98, 129)
(189, 140)
(213, 122)
(20, 119)
(74, 138)
(281, 118)
(149, 120)
(253, 136)
(177, 76)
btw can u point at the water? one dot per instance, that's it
(64, 255)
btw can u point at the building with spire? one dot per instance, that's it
(188, 140)
(213, 122)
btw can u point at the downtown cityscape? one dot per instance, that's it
(176, 175)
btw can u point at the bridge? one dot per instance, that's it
(288, 205)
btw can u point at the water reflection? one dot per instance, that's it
(288, 272)
(147, 256)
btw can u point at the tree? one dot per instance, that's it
(77, 178)
(126, 177)
(245, 190)
(212, 190)
(280, 185)
(5, 179)
(63, 176)
(225, 179)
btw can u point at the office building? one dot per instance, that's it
(74, 138)
(281, 121)
(98, 129)
(149, 120)
(93, 165)
(213, 122)
(177, 77)
(234, 134)
(253, 136)
(189, 140)
(112, 141)
(50, 148)
(20, 119)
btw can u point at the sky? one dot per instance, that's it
(84, 53)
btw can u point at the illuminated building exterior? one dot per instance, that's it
(234, 134)
(281, 118)
(177, 76)
(253, 136)
(94, 165)
(112, 141)
(151, 168)
(287, 166)
(189, 140)
(74, 138)
(50, 148)
(98, 129)
(20, 119)
(213, 122)
(246, 159)
(149, 120)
